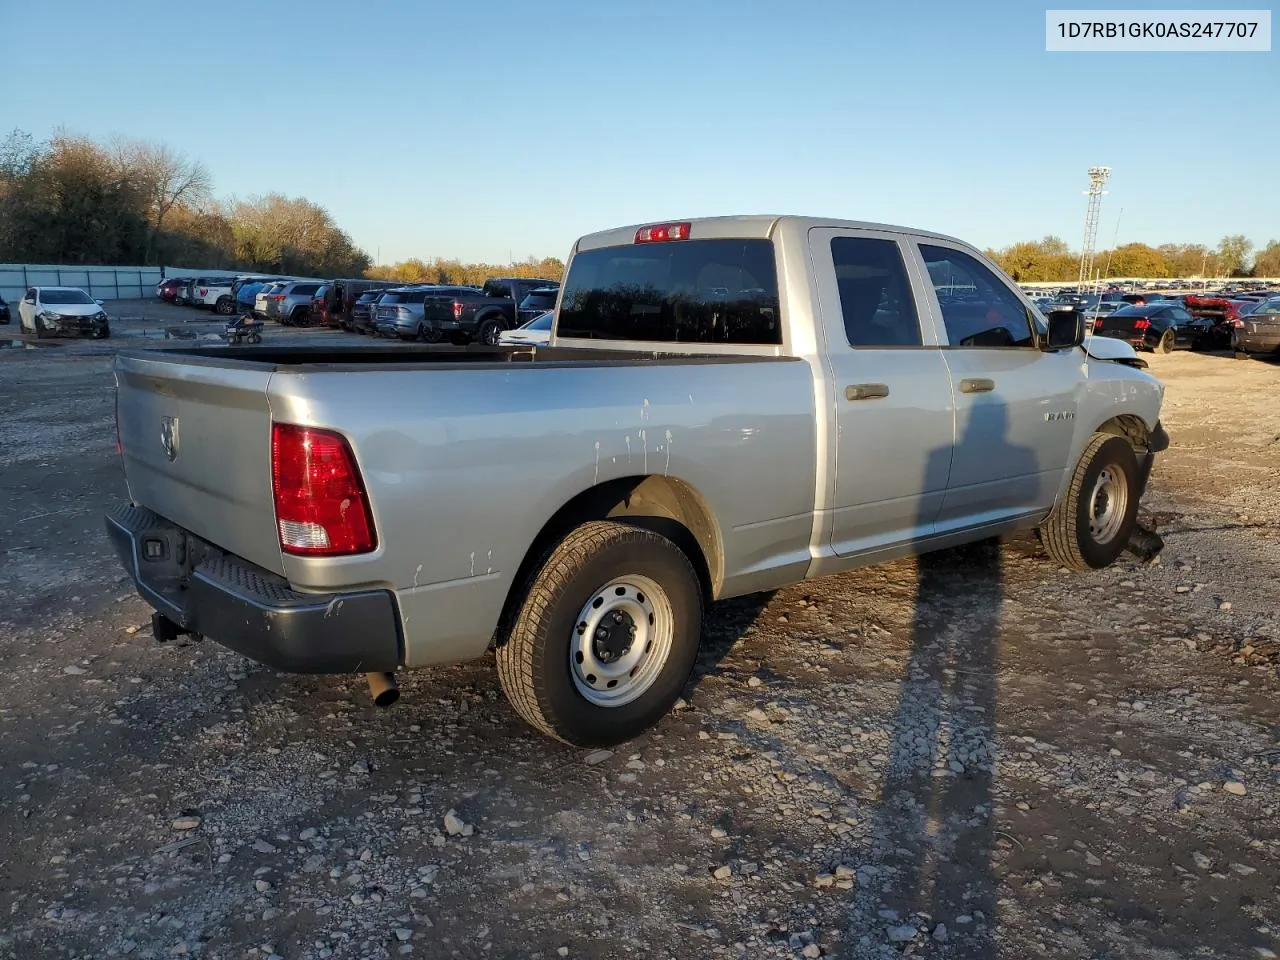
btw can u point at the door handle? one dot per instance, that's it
(977, 385)
(866, 391)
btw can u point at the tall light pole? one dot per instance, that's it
(1097, 180)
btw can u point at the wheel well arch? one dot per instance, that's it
(665, 505)
(1129, 426)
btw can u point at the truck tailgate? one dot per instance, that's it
(196, 440)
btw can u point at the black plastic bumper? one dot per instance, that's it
(250, 610)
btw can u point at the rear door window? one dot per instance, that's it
(679, 291)
(304, 289)
(875, 294)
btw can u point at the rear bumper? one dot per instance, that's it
(1264, 342)
(249, 610)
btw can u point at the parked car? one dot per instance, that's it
(4, 311)
(318, 312)
(534, 333)
(1103, 308)
(481, 315)
(1140, 298)
(362, 311)
(400, 313)
(345, 294)
(169, 289)
(1258, 331)
(289, 302)
(1223, 313)
(62, 311)
(216, 294)
(1160, 327)
(191, 294)
(262, 299)
(733, 412)
(536, 303)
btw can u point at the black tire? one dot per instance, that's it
(1166, 342)
(225, 307)
(489, 331)
(1070, 535)
(533, 653)
(430, 333)
(255, 338)
(301, 317)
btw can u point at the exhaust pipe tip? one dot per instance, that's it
(383, 688)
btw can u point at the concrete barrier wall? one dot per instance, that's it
(103, 283)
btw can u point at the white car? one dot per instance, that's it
(534, 333)
(59, 311)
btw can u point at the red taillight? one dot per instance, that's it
(1141, 324)
(663, 231)
(457, 310)
(276, 296)
(321, 506)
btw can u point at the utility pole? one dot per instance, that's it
(1097, 181)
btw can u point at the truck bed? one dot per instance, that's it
(464, 467)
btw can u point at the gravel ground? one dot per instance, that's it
(971, 755)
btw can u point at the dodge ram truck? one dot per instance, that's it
(725, 406)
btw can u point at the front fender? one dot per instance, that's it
(1114, 392)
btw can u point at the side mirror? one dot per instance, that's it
(99, 302)
(1066, 330)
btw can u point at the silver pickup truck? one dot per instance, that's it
(725, 406)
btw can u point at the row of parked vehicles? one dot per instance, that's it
(1246, 321)
(430, 313)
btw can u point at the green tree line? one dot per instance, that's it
(1050, 260)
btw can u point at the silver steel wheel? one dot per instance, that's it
(1108, 505)
(621, 641)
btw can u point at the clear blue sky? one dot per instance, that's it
(481, 130)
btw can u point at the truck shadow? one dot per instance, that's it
(932, 846)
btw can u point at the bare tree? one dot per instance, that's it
(165, 178)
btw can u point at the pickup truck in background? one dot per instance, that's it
(481, 316)
(725, 406)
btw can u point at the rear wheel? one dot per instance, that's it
(1166, 343)
(489, 332)
(300, 317)
(430, 333)
(605, 637)
(1090, 527)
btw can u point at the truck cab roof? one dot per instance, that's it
(754, 226)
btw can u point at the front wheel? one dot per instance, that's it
(1090, 527)
(489, 332)
(605, 637)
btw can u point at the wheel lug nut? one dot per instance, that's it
(602, 633)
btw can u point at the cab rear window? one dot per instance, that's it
(679, 291)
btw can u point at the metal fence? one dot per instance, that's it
(102, 283)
